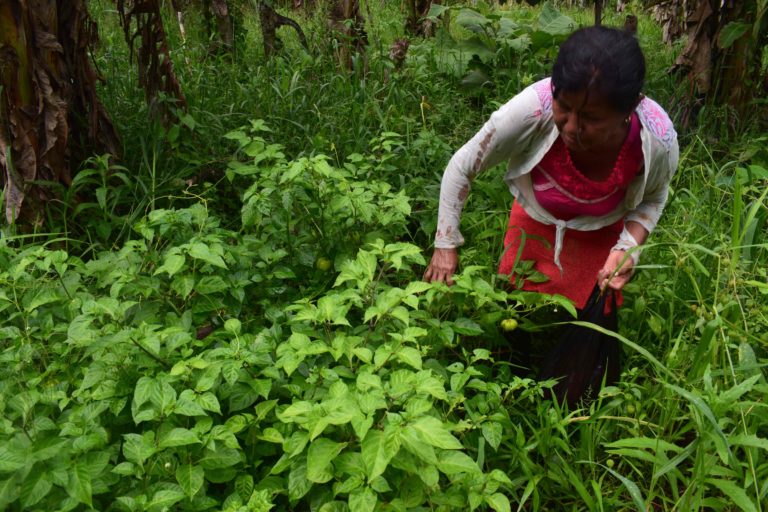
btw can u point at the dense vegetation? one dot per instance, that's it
(231, 316)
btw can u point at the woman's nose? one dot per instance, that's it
(571, 124)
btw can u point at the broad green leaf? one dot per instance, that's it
(178, 437)
(361, 424)
(201, 251)
(163, 500)
(209, 402)
(731, 33)
(362, 500)
(418, 286)
(222, 457)
(436, 10)
(12, 456)
(498, 502)
(467, 326)
(348, 485)
(79, 484)
(492, 432)
(431, 385)
(472, 20)
(436, 434)
(208, 378)
(366, 381)
(298, 484)
(188, 408)
(183, 285)
(125, 469)
(272, 435)
(143, 391)
(378, 448)
(749, 440)
(138, 448)
(96, 462)
(36, 486)
(410, 356)
(733, 394)
(414, 442)
(9, 491)
(418, 406)
(452, 462)
(80, 330)
(163, 396)
(553, 22)
(321, 453)
(380, 485)
(41, 297)
(208, 285)
(190, 478)
(244, 485)
(645, 443)
(233, 326)
(171, 265)
(737, 495)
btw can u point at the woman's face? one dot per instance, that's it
(587, 122)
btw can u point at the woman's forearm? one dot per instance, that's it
(638, 232)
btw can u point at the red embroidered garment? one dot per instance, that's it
(566, 193)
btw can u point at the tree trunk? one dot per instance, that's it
(348, 26)
(156, 72)
(270, 21)
(50, 115)
(224, 25)
(598, 12)
(417, 22)
(672, 16)
(723, 57)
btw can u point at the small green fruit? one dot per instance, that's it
(630, 409)
(323, 264)
(509, 324)
(610, 463)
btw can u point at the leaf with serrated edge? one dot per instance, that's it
(319, 456)
(435, 433)
(79, 486)
(362, 500)
(378, 449)
(190, 478)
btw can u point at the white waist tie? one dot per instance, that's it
(559, 235)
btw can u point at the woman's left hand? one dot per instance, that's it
(622, 275)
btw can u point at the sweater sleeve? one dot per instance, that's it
(661, 171)
(502, 135)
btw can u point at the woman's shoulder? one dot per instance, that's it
(543, 89)
(656, 120)
(531, 105)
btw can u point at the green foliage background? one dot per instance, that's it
(232, 317)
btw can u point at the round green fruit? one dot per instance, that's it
(509, 324)
(610, 463)
(323, 264)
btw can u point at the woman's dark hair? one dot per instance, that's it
(604, 61)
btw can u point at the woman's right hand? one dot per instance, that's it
(442, 267)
